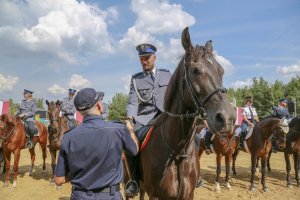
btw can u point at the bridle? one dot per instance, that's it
(6, 137)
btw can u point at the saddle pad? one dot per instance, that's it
(202, 133)
(249, 133)
(146, 139)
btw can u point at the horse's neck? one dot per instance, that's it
(267, 129)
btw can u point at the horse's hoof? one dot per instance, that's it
(265, 189)
(252, 189)
(234, 173)
(200, 183)
(228, 186)
(218, 189)
(59, 188)
(289, 186)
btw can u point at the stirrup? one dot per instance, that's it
(130, 182)
(208, 151)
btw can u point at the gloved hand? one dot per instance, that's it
(22, 115)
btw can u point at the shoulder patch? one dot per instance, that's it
(135, 75)
(164, 70)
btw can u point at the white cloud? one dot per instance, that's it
(241, 84)
(225, 63)
(154, 18)
(126, 82)
(7, 82)
(289, 70)
(54, 29)
(56, 89)
(78, 82)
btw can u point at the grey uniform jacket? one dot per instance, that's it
(28, 108)
(68, 107)
(281, 112)
(147, 97)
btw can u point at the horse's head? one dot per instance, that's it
(53, 113)
(6, 123)
(198, 81)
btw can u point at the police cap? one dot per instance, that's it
(72, 91)
(283, 100)
(146, 49)
(27, 92)
(87, 98)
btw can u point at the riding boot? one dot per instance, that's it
(29, 143)
(132, 186)
(274, 146)
(238, 139)
(207, 142)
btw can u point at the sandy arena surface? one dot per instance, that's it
(38, 187)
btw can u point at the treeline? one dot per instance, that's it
(14, 107)
(265, 96)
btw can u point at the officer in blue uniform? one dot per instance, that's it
(27, 112)
(146, 100)
(68, 109)
(281, 110)
(90, 154)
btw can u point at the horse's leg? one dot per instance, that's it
(53, 163)
(32, 155)
(268, 164)
(7, 157)
(44, 151)
(3, 170)
(288, 168)
(264, 160)
(218, 160)
(253, 165)
(234, 156)
(257, 165)
(228, 158)
(142, 194)
(16, 166)
(296, 167)
(200, 181)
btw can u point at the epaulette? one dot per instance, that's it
(164, 70)
(134, 75)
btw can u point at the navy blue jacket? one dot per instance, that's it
(91, 153)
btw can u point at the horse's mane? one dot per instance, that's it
(10, 119)
(174, 84)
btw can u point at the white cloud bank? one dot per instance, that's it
(290, 70)
(7, 82)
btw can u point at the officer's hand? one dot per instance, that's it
(251, 124)
(21, 115)
(129, 125)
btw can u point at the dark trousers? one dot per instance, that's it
(81, 195)
(30, 128)
(207, 137)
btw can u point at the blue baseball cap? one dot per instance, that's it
(146, 49)
(87, 98)
(283, 100)
(27, 92)
(72, 91)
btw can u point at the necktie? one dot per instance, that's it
(252, 117)
(152, 76)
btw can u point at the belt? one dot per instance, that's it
(109, 189)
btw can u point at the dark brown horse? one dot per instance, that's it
(57, 127)
(222, 145)
(259, 145)
(292, 148)
(13, 139)
(169, 161)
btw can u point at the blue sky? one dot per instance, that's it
(51, 45)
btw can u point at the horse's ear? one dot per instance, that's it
(58, 103)
(186, 40)
(209, 47)
(47, 102)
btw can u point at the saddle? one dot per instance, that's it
(143, 135)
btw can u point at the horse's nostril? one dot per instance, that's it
(220, 119)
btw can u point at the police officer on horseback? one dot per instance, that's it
(146, 102)
(27, 112)
(68, 109)
(250, 117)
(281, 110)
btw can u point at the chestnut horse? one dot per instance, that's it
(222, 145)
(57, 127)
(259, 145)
(170, 160)
(292, 147)
(13, 139)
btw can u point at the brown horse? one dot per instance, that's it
(292, 148)
(222, 145)
(259, 145)
(13, 139)
(57, 127)
(170, 160)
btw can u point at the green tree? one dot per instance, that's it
(117, 108)
(292, 90)
(40, 103)
(13, 107)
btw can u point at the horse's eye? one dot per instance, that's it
(195, 71)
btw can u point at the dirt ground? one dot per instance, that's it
(38, 187)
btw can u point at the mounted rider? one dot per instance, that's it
(27, 112)
(146, 102)
(250, 117)
(68, 108)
